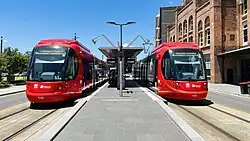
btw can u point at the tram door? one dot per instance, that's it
(230, 76)
(156, 72)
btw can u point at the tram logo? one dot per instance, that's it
(46, 87)
(196, 86)
(36, 86)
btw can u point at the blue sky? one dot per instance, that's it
(24, 22)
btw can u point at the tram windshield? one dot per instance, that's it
(184, 64)
(47, 63)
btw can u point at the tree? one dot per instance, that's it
(25, 62)
(9, 51)
(28, 53)
(17, 62)
(3, 64)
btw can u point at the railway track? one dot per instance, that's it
(20, 122)
(214, 126)
(15, 124)
(13, 113)
(233, 115)
(220, 125)
(214, 123)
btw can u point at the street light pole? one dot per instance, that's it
(120, 62)
(74, 36)
(1, 44)
(121, 56)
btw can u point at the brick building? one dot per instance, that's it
(162, 22)
(220, 28)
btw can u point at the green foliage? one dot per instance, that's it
(11, 62)
(3, 64)
(4, 85)
(17, 62)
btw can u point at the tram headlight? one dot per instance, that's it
(177, 85)
(59, 86)
(205, 85)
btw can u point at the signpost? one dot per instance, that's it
(111, 61)
(130, 60)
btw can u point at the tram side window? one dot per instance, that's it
(87, 69)
(72, 66)
(90, 69)
(151, 66)
(166, 71)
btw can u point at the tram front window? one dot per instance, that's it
(188, 64)
(47, 64)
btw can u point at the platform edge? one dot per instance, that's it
(185, 128)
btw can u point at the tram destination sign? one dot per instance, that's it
(45, 50)
(130, 60)
(111, 61)
(185, 53)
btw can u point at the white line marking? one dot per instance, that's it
(120, 100)
(187, 129)
(59, 125)
(17, 93)
(246, 96)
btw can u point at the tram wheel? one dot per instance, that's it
(33, 105)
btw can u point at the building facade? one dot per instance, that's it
(165, 18)
(220, 28)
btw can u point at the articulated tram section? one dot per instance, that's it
(165, 96)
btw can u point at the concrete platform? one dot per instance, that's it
(12, 90)
(109, 117)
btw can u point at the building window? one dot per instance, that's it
(245, 37)
(200, 34)
(185, 40)
(190, 23)
(224, 38)
(174, 38)
(171, 39)
(207, 62)
(180, 30)
(185, 27)
(190, 39)
(232, 37)
(244, 7)
(200, 38)
(207, 31)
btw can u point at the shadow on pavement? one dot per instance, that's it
(129, 84)
(205, 102)
(49, 106)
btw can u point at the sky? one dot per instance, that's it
(24, 22)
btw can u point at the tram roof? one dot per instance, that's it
(63, 41)
(175, 45)
(101, 62)
(128, 52)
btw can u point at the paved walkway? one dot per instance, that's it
(225, 88)
(12, 89)
(109, 117)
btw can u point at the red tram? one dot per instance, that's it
(177, 70)
(59, 70)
